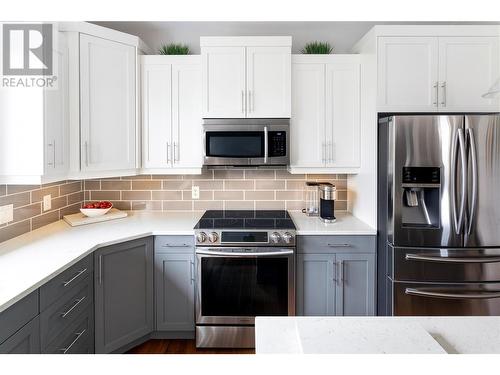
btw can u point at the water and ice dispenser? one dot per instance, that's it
(421, 197)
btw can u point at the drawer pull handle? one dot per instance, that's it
(66, 283)
(78, 335)
(174, 245)
(339, 245)
(77, 302)
(429, 258)
(423, 293)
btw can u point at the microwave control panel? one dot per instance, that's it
(277, 144)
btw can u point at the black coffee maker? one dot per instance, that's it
(327, 197)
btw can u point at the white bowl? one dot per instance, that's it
(93, 212)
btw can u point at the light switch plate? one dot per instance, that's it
(195, 192)
(6, 213)
(47, 202)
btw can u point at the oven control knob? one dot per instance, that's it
(213, 237)
(275, 237)
(201, 237)
(287, 237)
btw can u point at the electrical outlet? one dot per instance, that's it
(195, 192)
(47, 202)
(6, 213)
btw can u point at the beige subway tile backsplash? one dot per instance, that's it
(219, 189)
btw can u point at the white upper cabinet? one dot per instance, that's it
(56, 117)
(156, 114)
(408, 73)
(268, 82)
(34, 128)
(224, 82)
(186, 114)
(343, 114)
(437, 73)
(107, 105)
(467, 68)
(325, 123)
(246, 77)
(171, 111)
(307, 125)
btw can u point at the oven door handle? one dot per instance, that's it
(266, 145)
(423, 293)
(243, 254)
(424, 258)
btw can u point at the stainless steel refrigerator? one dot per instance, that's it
(439, 215)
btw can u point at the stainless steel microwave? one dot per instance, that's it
(246, 142)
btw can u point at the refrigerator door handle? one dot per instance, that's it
(458, 148)
(473, 154)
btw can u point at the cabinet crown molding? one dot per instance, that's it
(245, 41)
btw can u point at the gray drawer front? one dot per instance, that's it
(55, 288)
(24, 341)
(174, 244)
(335, 244)
(76, 339)
(18, 315)
(65, 310)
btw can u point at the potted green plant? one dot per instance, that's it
(174, 49)
(317, 48)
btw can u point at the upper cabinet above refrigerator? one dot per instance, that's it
(437, 73)
(246, 77)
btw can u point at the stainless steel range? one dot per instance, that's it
(245, 268)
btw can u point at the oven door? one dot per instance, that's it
(235, 285)
(257, 143)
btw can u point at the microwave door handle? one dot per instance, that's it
(266, 142)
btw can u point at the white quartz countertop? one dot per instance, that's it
(376, 335)
(30, 260)
(346, 225)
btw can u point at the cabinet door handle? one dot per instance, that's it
(191, 270)
(435, 94)
(77, 302)
(332, 147)
(100, 269)
(443, 94)
(251, 101)
(86, 153)
(341, 272)
(176, 245)
(176, 152)
(78, 335)
(334, 271)
(339, 245)
(168, 152)
(323, 157)
(242, 101)
(53, 162)
(78, 274)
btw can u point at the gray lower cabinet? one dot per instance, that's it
(123, 282)
(336, 275)
(356, 278)
(24, 341)
(315, 284)
(174, 286)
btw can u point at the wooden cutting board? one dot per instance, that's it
(80, 219)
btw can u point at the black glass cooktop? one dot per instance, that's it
(246, 219)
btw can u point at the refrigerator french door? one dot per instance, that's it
(443, 217)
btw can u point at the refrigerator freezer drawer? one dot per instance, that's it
(445, 265)
(426, 299)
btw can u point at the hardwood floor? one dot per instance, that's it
(181, 347)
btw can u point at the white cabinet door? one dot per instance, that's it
(223, 70)
(56, 117)
(186, 115)
(307, 125)
(157, 115)
(268, 82)
(107, 104)
(407, 73)
(468, 66)
(343, 115)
